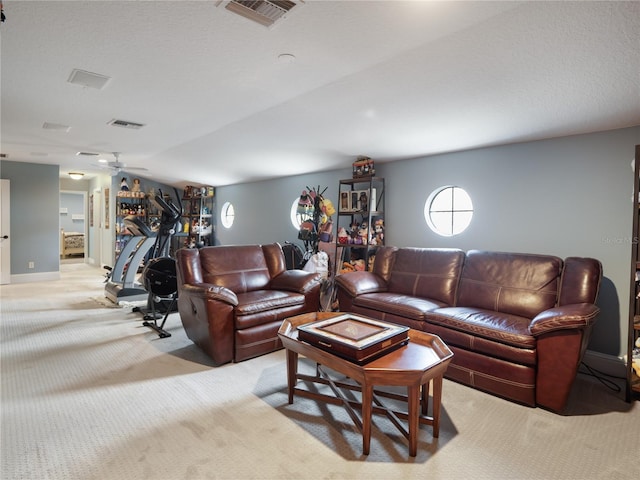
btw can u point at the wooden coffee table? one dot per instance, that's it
(415, 365)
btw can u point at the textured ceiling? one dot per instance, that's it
(386, 79)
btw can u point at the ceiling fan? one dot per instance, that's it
(116, 166)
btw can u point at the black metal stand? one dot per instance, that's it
(162, 333)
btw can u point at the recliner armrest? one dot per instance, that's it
(211, 292)
(578, 315)
(295, 281)
(358, 283)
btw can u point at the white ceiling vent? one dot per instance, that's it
(56, 126)
(88, 79)
(264, 12)
(87, 154)
(125, 124)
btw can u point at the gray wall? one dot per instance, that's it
(569, 196)
(262, 209)
(35, 216)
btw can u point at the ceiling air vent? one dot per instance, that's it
(88, 79)
(264, 12)
(56, 126)
(125, 124)
(87, 154)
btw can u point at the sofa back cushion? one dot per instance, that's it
(581, 279)
(274, 258)
(515, 283)
(431, 273)
(383, 262)
(240, 268)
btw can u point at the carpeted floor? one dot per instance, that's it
(90, 393)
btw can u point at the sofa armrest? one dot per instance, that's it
(578, 315)
(295, 281)
(210, 292)
(358, 283)
(562, 334)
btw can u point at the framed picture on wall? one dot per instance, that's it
(91, 210)
(106, 208)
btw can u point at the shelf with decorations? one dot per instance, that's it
(198, 218)
(360, 226)
(128, 203)
(634, 355)
(633, 347)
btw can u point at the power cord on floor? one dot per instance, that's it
(600, 376)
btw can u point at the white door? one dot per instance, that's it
(96, 238)
(5, 234)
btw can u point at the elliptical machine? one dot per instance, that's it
(159, 274)
(160, 279)
(144, 244)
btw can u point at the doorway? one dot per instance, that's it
(73, 226)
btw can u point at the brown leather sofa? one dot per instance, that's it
(518, 324)
(233, 299)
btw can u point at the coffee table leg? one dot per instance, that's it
(425, 398)
(437, 397)
(367, 407)
(413, 394)
(292, 372)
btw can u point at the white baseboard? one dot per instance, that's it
(607, 364)
(35, 277)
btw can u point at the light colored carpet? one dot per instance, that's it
(90, 393)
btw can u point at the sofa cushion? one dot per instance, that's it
(260, 301)
(514, 283)
(485, 346)
(397, 304)
(500, 327)
(430, 273)
(263, 300)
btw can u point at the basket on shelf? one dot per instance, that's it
(363, 167)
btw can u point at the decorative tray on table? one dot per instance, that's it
(358, 339)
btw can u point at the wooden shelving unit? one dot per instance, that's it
(198, 220)
(128, 204)
(633, 352)
(360, 207)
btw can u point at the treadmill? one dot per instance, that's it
(123, 284)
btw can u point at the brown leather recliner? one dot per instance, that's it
(233, 299)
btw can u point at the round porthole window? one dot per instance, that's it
(448, 211)
(295, 218)
(227, 215)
